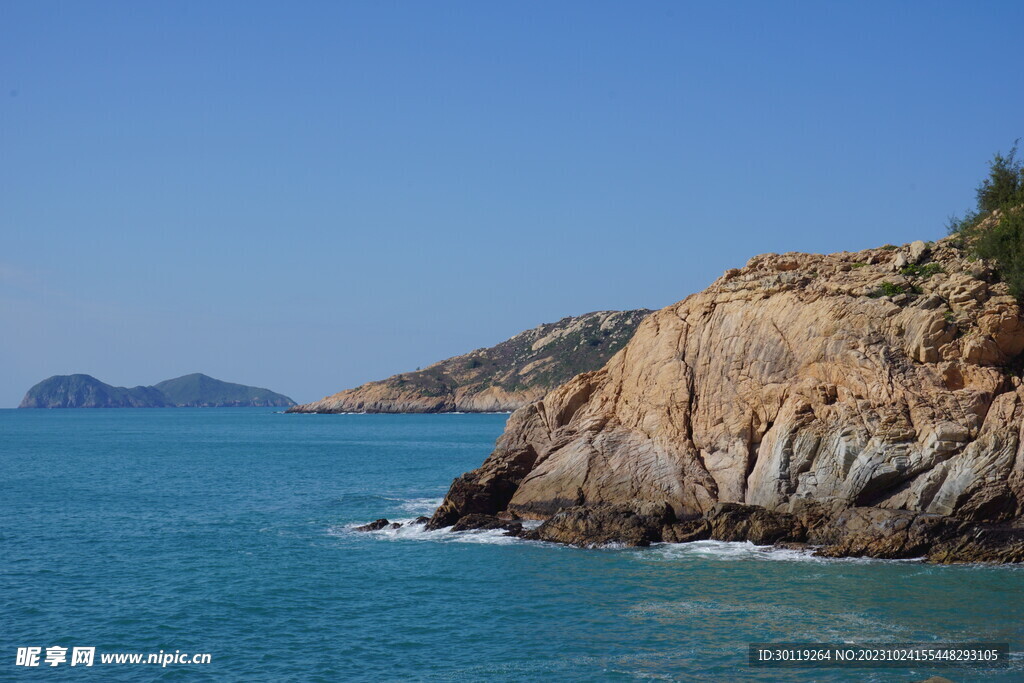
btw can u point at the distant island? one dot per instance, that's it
(190, 391)
(504, 377)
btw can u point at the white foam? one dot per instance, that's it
(419, 506)
(711, 550)
(745, 550)
(409, 531)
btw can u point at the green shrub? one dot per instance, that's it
(1004, 244)
(923, 272)
(1000, 195)
(1004, 186)
(887, 289)
(955, 224)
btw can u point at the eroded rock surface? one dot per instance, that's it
(887, 378)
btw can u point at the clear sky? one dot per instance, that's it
(306, 196)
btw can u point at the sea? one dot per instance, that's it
(228, 533)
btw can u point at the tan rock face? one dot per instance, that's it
(879, 378)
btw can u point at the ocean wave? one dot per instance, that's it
(419, 506)
(745, 550)
(410, 531)
(388, 504)
(695, 550)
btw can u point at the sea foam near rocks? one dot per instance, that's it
(745, 550)
(410, 530)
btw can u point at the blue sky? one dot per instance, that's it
(306, 196)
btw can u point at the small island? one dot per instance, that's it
(189, 391)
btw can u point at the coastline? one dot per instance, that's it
(873, 533)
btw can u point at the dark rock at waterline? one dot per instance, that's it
(882, 533)
(481, 495)
(982, 543)
(420, 520)
(598, 525)
(901, 534)
(515, 529)
(627, 525)
(480, 521)
(376, 525)
(686, 531)
(854, 532)
(735, 522)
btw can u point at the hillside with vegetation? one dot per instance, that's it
(994, 229)
(500, 378)
(201, 391)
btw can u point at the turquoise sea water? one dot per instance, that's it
(227, 531)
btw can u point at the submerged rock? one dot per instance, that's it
(376, 525)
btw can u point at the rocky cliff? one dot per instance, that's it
(503, 377)
(195, 390)
(802, 385)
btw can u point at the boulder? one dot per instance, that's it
(735, 522)
(918, 250)
(599, 525)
